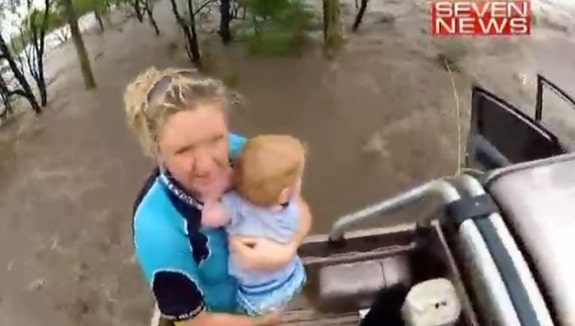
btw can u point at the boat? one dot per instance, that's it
(501, 237)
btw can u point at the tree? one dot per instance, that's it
(6, 98)
(278, 27)
(332, 28)
(359, 16)
(16, 84)
(32, 37)
(83, 59)
(188, 27)
(146, 7)
(100, 8)
(149, 9)
(25, 91)
(137, 10)
(225, 19)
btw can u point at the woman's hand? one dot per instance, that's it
(261, 253)
(273, 318)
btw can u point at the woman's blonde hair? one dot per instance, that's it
(156, 94)
(267, 165)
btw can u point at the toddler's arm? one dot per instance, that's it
(261, 253)
(264, 254)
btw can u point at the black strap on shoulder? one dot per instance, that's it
(144, 190)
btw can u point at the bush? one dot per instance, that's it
(276, 28)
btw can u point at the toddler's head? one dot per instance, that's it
(269, 169)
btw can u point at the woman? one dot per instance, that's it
(179, 117)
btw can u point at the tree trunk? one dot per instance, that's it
(26, 90)
(332, 28)
(38, 44)
(189, 30)
(137, 10)
(225, 19)
(99, 20)
(83, 59)
(360, 14)
(150, 13)
(195, 44)
(5, 95)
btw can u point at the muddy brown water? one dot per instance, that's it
(378, 119)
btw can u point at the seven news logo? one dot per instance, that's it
(481, 17)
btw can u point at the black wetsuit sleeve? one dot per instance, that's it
(178, 297)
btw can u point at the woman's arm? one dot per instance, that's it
(178, 295)
(261, 253)
(173, 274)
(221, 319)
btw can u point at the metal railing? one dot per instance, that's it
(439, 187)
(501, 287)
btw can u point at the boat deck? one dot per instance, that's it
(300, 313)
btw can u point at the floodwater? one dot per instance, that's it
(379, 119)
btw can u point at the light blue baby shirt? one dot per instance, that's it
(250, 220)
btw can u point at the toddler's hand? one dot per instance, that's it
(213, 215)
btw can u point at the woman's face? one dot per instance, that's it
(193, 146)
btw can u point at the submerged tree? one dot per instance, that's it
(14, 81)
(100, 9)
(332, 28)
(187, 24)
(136, 5)
(143, 8)
(359, 16)
(149, 9)
(278, 27)
(5, 97)
(83, 59)
(24, 90)
(32, 38)
(225, 20)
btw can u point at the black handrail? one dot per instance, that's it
(543, 81)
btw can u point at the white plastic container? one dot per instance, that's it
(431, 303)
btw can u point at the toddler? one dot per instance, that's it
(266, 180)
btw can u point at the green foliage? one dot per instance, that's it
(35, 20)
(57, 17)
(276, 28)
